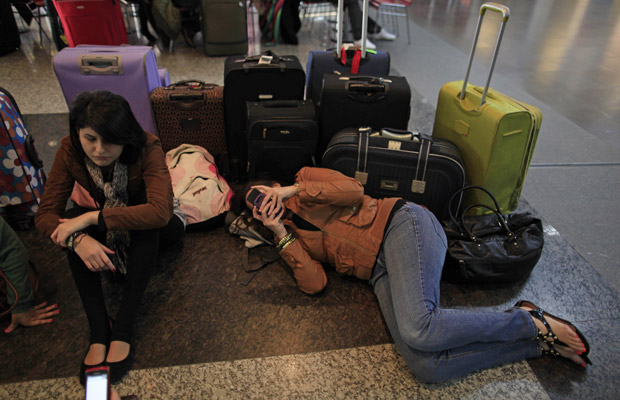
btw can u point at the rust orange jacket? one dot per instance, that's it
(351, 227)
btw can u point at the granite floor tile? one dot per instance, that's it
(356, 373)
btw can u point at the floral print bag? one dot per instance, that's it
(22, 179)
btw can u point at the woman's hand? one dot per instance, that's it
(94, 254)
(71, 225)
(38, 315)
(272, 219)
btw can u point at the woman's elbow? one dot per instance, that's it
(162, 214)
(315, 286)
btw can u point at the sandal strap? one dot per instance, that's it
(551, 352)
(538, 313)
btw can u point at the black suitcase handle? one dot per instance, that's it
(366, 89)
(192, 84)
(276, 61)
(399, 134)
(281, 104)
(186, 100)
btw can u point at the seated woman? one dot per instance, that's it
(124, 171)
(400, 247)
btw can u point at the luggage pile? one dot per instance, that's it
(345, 112)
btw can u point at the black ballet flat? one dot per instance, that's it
(551, 338)
(119, 369)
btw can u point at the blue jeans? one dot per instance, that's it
(439, 344)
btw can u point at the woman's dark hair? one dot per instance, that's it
(110, 116)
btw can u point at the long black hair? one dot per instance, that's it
(110, 116)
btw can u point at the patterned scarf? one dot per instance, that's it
(115, 196)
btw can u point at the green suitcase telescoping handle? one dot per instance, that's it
(505, 11)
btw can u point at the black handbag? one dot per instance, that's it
(491, 248)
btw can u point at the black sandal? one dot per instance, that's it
(551, 338)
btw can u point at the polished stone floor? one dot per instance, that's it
(204, 333)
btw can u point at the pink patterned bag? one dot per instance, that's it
(202, 192)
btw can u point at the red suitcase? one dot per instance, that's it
(92, 22)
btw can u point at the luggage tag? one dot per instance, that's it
(265, 59)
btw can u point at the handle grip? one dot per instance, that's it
(281, 104)
(400, 134)
(100, 64)
(500, 8)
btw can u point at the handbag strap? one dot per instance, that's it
(500, 218)
(464, 189)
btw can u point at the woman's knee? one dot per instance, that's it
(426, 367)
(418, 339)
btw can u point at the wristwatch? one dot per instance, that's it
(70, 242)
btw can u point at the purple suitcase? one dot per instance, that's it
(130, 71)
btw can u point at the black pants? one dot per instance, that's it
(142, 254)
(352, 7)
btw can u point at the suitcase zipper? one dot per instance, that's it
(265, 129)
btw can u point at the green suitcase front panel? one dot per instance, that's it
(488, 138)
(224, 27)
(535, 116)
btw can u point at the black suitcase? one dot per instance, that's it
(321, 62)
(355, 100)
(9, 34)
(262, 77)
(282, 137)
(393, 163)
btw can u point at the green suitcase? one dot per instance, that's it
(495, 133)
(224, 27)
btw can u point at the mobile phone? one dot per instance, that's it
(256, 197)
(98, 383)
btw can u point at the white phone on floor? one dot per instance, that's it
(98, 383)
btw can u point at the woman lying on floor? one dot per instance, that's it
(400, 247)
(124, 171)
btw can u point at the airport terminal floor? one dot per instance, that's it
(204, 332)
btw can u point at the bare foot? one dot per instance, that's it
(118, 351)
(96, 354)
(565, 352)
